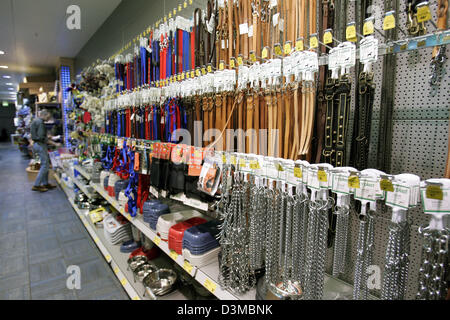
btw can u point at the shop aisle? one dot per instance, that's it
(40, 236)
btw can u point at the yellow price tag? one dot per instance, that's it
(165, 18)
(203, 70)
(116, 270)
(287, 48)
(190, 2)
(368, 28)
(264, 53)
(192, 74)
(434, 192)
(209, 68)
(96, 239)
(298, 173)
(224, 159)
(240, 61)
(188, 74)
(221, 66)
(389, 22)
(233, 160)
(123, 282)
(232, 63)
(350, 33)
(313, 42)
(327, 37)
(179, 8)
(423, 13)
(254, 165)
(353, 182)
(173, 255)
(322, 176)
(157, 240)
(386, 185)
(170, 15)
(277, 50)
(174, 11)
(185, 5)
(211, 286)
(279, 167)
(187, 266)
(182, 76)
(136, 298)
(197, 72)
(252, 56)
(242, 163)
(299, 45)
(108, 257)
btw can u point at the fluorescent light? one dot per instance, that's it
(3, 67)
(9, 84)
(6, 77)
(2, 52)
(10, 88)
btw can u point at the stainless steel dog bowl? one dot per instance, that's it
(160, 282)
(143, 271)
(136, 262)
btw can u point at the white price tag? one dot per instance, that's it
(435, 205)
(275, 19)
(250, 31)
(243, 28)
(368, 50)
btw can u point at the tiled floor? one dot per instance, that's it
(40, 236)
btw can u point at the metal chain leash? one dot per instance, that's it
(435, 259)
(340, 245)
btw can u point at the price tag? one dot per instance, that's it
(179, 7)
(232, 65)
(224, 159)
(264, 53)
(287, 48)
(188, 74)
(192, 74)
(179, 77)
(188, 267)
(252, 56)
(233, 160)
(170, 15)
(185, 4)
(299, 45)
(389, 21)
(279, 167)
(211, 286)
(209, 68)
(182, 76)
(327, 37)
(96, 239)
(313, 42)
(203, 70)
(350, 33)
(254, 165)
(322, 176)
(123, 282)
(368, 28)
(174, 11)
(136, 298)
(423, 13)
(278, 50)
(197, 72)
(221, 66)
(116, 270)
(242, 163)
(190, 2)
(108, 258)
(434, 192)
(353, 182)
(386, 185)
(240, 61)
(157, 240)
(173, 255)
(298, 172)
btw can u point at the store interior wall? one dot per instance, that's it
(129, 19)
(7, 115)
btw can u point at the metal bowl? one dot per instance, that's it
(160, 282)
(136, 262)
(144, 270)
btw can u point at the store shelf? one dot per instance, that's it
(83, 172)
(117, 259)
(80, 185)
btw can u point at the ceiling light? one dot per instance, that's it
(3, 67)
(6, 77)
(9, 84)
(25, 80)
(10, 88)
(2, 52)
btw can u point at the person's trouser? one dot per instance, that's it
(41, 150)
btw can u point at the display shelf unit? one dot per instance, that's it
(208, 275)
(80, 185)
(113, 256)
(83, 172)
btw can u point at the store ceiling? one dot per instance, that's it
(34, 34)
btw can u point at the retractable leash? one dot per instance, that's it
(434, 269)
(367, 194)
(401, 196)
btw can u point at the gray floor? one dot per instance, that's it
(40, 236)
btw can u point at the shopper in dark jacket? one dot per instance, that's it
(39, 137)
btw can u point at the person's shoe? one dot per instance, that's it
(40, 189)
(49, 186)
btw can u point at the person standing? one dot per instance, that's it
(39, 137)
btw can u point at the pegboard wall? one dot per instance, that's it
(419, 143)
